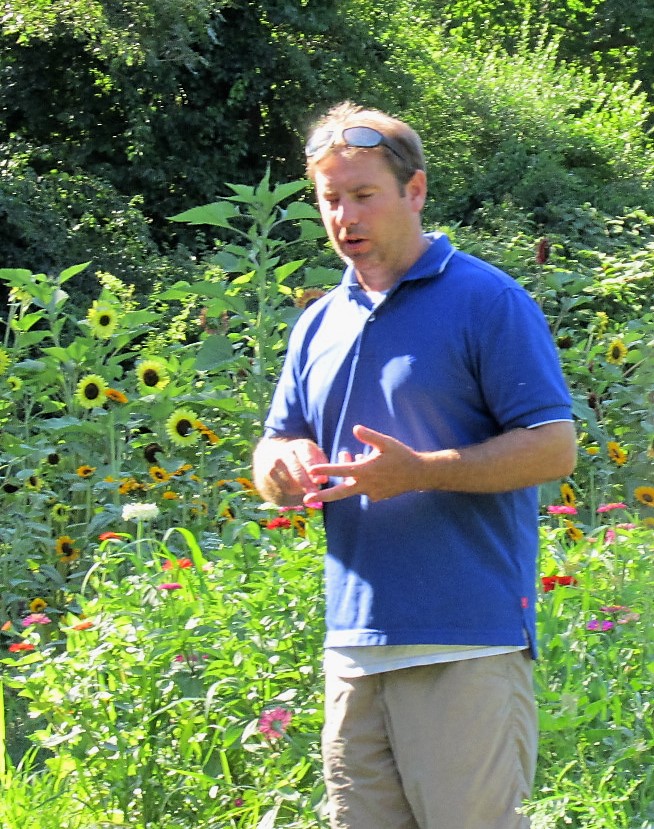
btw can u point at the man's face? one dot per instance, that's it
(371, 220)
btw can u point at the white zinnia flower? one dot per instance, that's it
(140, 512)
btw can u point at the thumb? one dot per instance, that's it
(369, 436)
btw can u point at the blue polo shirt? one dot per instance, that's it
(455, 354)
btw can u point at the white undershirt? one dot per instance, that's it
(364, 660)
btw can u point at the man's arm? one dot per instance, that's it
(280, 469)
(514, 460)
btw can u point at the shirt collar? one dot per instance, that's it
(431, 264)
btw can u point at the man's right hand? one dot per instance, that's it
(280, 468)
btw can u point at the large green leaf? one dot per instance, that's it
(217, 214)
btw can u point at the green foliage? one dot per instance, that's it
(156, 104)
(606, 35)
(121, 400)
(147, 698)
(548, 137)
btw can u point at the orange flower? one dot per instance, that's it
(87, 624)
(115, 395)
(16, 647)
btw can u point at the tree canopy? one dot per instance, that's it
(117, 115)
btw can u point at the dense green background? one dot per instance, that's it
(114, 116)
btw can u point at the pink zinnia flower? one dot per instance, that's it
(36, 619)
(600, 624)
(170, 585)
(561, 509)
(274, 722)
(612, 506)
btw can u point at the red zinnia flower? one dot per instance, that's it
(550, 582)
(279, 523)
(21, 646)
(109, 536)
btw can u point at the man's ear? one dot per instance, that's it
(416, 190)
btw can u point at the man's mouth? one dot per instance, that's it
(353, 243)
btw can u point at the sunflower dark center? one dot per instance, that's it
(184, 427)
(92, 391)
(104, 319)
(67, 548)
(150, 377)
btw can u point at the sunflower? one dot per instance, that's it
(573, 532)
(34, 482)
(206, 432)
(38, 605)
(299, 524)
(103, 319)
(152, 375)
(180, 427)
(306, 297)
(5, 361)
(65, 548)
(617, 352)
(116, 396)
(183, 469)
(128, 485)
(246, 484)
(91, 391)
(15, 383)
(645, 494)
(616, 453)
(568, 495)
(170, 495)
(59, 512)
(85, 471)
(159, 474)
(151, 451)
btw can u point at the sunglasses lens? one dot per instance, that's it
(362, 137)
(320, 139)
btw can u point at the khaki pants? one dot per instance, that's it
(445, 746)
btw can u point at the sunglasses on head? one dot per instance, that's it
(360, 137)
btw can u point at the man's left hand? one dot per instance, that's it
(388, 470)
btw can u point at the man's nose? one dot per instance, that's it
(346, 215)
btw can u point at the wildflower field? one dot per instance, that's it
(161, 628)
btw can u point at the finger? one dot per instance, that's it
(369, 436)
(337, 492)
(334, 470)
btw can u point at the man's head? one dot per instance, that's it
(370, 182)
(349, 128)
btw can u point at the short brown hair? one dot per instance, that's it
(409, 158)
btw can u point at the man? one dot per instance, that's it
(422, 401)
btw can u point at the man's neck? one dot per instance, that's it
(379, 278)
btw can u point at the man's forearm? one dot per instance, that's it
(517, 459)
